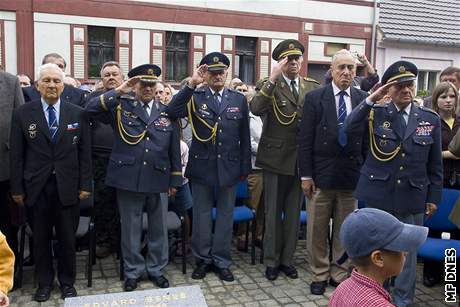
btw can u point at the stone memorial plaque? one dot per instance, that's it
(171, 297)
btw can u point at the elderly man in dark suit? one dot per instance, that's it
(10, 98)
(69, 94)
(51, 171)
(329, 164)
(403, 170)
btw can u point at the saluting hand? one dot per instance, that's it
(84, 195)
(127, 86)
(198, 75)
(380, 93)
(277, 69)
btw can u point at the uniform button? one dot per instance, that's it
(147, 138)
(196, 156)
(145, 162)
(372, 176)
(146, 126)
(398, 181)
(401, 168)
(220, 143)
(424, 143)
(130, 123)
(146, 150)
(219, 118)
(218, 156)
(403, 155)
(220, 130)
(324, 128)
(119, 162)
(325, 143)
(384, 135)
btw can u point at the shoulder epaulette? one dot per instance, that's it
(428, 110)
(311, 80)
(127, 97)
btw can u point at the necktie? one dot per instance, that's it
(342, 137)
(294, 90)
(402, 121)
(52, 123)
(217, 99)
(147, 109)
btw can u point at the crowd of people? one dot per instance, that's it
(137, 144)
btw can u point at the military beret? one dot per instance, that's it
(216, 61)
(286, 48)
(148, 72)
(400, 71)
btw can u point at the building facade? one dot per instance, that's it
(176, 34)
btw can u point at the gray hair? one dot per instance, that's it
(50, 66)
(343, 52)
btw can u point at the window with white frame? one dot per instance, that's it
(427, 80)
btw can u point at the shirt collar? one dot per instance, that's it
(370, 283)
(288, 81)
(56, 106)
(406, 109)
(221, 92)
(337, 90)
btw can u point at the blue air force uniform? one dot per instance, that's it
(219, 156)
(145, 161)
(403, 169)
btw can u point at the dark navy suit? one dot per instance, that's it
(216, 165)
(145, 161)
(404, 184)
(70, 94)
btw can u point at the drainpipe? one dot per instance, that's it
(374, 30)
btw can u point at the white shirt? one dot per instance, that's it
(347, 98)
(288, 81)
(406, 111)
(221, 93)
(184, 160)
(255, 128)
(57, 109)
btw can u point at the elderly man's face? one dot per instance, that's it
(159, 92)
(50, 85)
(452, 78)
(216, 79)
(58, 61)
(145, 91)
(111, 77)
(292, 68)
(343, 70)
(402, 93)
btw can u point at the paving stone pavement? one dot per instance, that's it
(249, 289)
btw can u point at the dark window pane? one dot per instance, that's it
(245, 54)
(177, 54)
(101, 48)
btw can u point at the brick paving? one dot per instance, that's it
(250, 287)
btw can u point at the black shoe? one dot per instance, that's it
(201, 270)
(42, 294)
(271, 273)
(289, 270)
(68, 291)
(334, 283)
(318, 287)
(160, 281)
(130, 284)
(224, 274)
(430, 281)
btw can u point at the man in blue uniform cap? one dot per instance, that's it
(403, 170)
(145, 161)
(219, 157)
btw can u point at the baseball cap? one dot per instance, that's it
(368, 229)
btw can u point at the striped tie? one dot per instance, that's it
(52, 123)
(342, 138)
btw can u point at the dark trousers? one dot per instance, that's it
(48, 212)
(7, 226)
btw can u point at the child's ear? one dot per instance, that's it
(377, 258)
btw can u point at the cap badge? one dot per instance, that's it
(150, 71)
(215, 59)
(386, 125)
(291, 46)
(402, 69)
